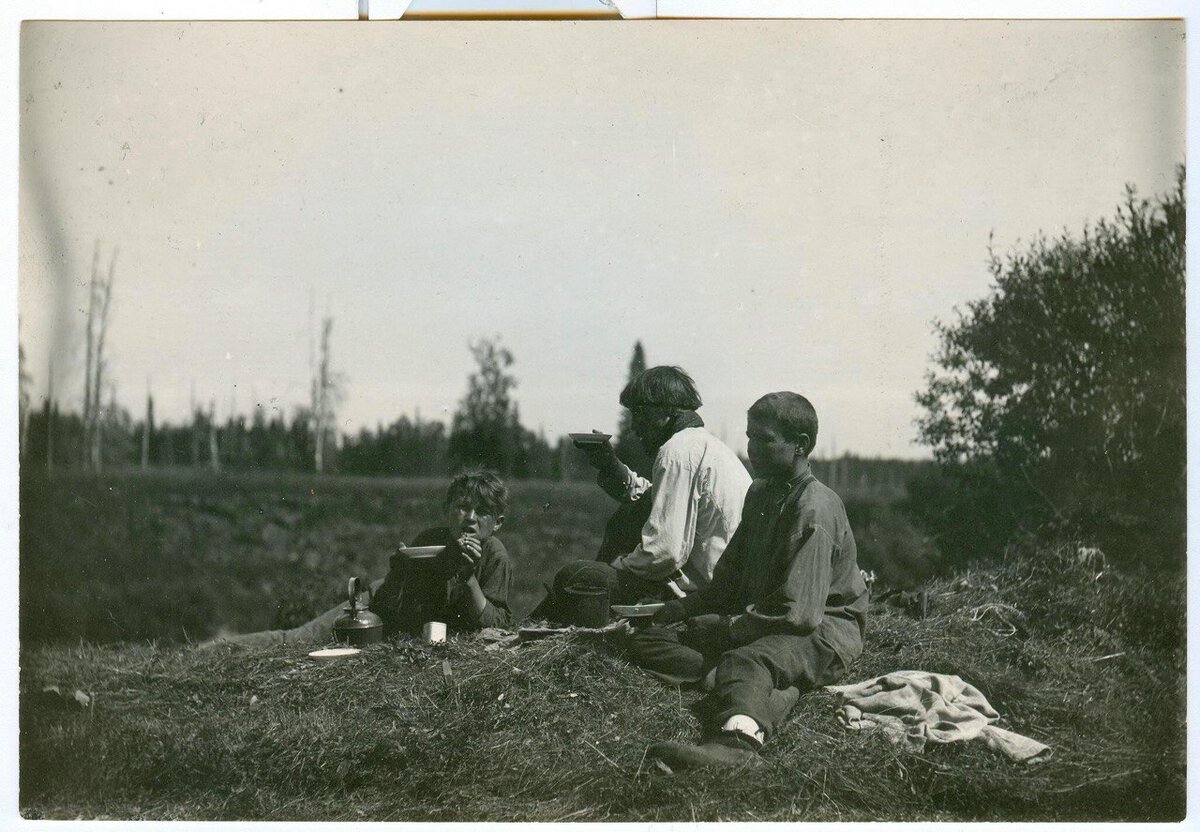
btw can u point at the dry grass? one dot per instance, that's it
(557, 729)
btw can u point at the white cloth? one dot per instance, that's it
(915, 707)
(699, 488)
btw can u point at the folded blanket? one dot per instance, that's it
(915, 707)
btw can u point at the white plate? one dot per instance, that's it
(635, 610)
(334, 653)
(419, 552)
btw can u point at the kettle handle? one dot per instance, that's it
(353, 590)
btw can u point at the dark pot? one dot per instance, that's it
(587, 607)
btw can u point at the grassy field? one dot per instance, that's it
(179, 556)
(1090, 661)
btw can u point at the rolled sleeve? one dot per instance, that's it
(623, 485)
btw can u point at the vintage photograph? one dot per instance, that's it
(601, 420)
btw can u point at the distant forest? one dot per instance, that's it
(485, 431)
(405, 448)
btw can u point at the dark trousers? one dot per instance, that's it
(623, 531)
(762, 679)
(316, 631)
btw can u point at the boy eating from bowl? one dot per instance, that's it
(786, 606)
(466, 585)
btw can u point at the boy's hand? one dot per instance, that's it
(741, 630)
(671, 612)
(602, 457)
(396, 557)
(470, 552)
(711, 631)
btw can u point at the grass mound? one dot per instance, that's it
(1091, 664)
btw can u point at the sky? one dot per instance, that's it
(768, 204)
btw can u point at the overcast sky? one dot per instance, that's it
(771, 205)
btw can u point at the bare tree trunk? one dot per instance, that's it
(97, 420)
(213, 450)
(25, 431)
(104, 414)
(98, 360)
(50, 416)
(195, 433)
(89, 373)
(147, 428)
(24, 403)
(321, 410)
(314, 404)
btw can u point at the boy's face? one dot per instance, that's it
(464, 518)
(650, 426)
(771, 455)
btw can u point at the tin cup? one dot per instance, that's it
(433, 632)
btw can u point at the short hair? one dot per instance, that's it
(791, 413)
(666, 387)
(482, 489)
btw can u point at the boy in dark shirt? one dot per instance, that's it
(786, 607)
(466, 586)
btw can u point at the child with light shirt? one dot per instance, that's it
(665, 538)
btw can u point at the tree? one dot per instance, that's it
(486, 429)
(629, 447)
(197, 420)
(99, 299)
(326, 395)
(406, 448)
(24, 400)
(148, 428)
(214, 449)
(117, 432)
(1057, 401)
(298, 448)
(51, 414)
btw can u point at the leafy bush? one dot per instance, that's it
(1057, 401)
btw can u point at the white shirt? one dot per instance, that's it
(699, 488)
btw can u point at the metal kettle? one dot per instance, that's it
(357, 625)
